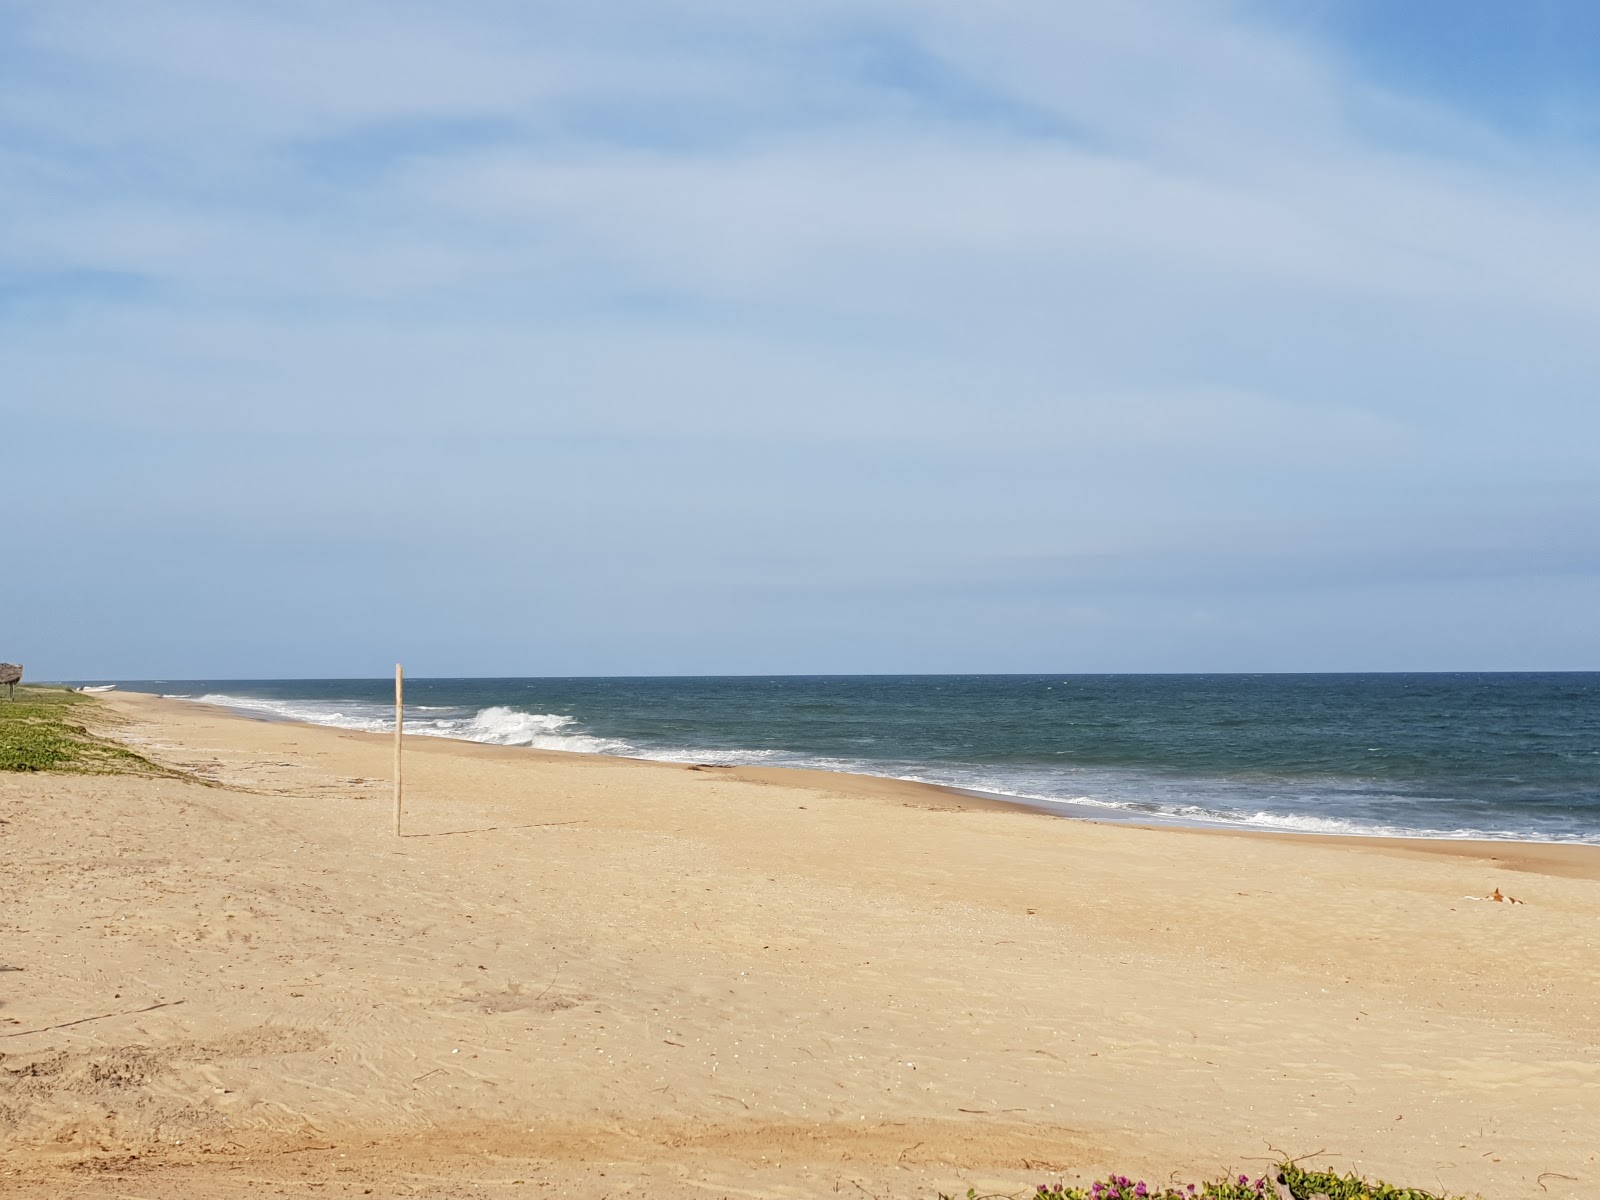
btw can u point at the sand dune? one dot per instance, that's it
(597, 975)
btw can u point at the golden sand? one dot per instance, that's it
(594, 976)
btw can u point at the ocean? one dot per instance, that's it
(1513, 756)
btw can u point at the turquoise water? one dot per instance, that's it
(1496, 755)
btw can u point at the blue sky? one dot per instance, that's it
(707, 337)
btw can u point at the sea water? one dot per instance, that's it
(1437, 755)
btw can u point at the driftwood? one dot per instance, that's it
(11, 675)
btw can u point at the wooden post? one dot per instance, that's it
(399, 727)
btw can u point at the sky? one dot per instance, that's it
(709, 337)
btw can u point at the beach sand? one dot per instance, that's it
(596, 976)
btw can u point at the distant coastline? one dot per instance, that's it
(1512, 757)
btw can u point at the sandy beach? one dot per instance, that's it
(597, 976)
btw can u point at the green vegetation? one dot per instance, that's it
(1346, 1187)
(37, 733)
(1287, 1179)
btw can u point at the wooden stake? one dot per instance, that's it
(399, 727)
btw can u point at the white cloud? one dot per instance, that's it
(1208, 146)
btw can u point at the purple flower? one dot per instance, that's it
(1141, 1190)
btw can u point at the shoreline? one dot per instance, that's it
(617, 974)
(1572, 859)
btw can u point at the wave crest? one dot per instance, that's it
(498, 725)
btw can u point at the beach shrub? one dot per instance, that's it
(1298, 1183)
(38, 733)
(1303, 1183)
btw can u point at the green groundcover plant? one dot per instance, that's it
(40, 730)
(1287, 1179)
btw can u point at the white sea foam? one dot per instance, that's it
(1154, 812)
(497, 726)
(352, 714)
(1147, 812)
(723, 758)
(503, 726)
